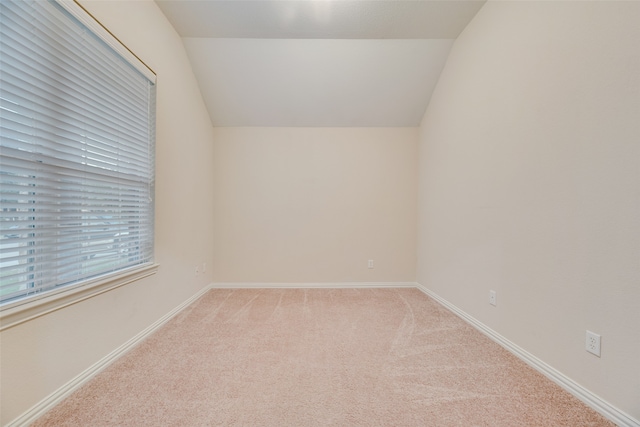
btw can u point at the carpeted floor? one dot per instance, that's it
(319, 357)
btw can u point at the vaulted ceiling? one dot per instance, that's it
(353, 63)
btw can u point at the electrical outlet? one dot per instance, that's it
(370, 264)
(204, 267)
(593, 343)
(492, 297)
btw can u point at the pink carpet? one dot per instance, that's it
(319, 357)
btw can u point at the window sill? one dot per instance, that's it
(22, 311)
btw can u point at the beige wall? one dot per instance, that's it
(529, 177)
(529, 171)
(40, 356)
(314, 204)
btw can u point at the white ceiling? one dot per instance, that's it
(318, 62)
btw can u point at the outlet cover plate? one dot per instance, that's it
(593, 343)
(492, 297)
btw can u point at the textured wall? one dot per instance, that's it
(40, 356)
(529, 184)
(314, 204)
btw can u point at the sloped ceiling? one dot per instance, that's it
(366, 63)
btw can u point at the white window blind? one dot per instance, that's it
(77, 131)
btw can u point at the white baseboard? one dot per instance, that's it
(609, 411)
(327, 285)
(57, 396)
(605, 408)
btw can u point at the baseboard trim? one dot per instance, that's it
(603, 407)
(609, 411)
(60, 394)
(325, 285)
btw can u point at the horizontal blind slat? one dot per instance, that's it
(69, 111)
(77, 129)
(24, 129)
(66, 34)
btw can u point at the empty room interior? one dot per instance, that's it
(476, 158)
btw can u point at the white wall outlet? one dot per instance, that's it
(370, 264)
(492, 297)
(593, 343)
(204, 267)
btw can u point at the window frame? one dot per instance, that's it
(32, 306)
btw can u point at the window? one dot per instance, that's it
(77, 129)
